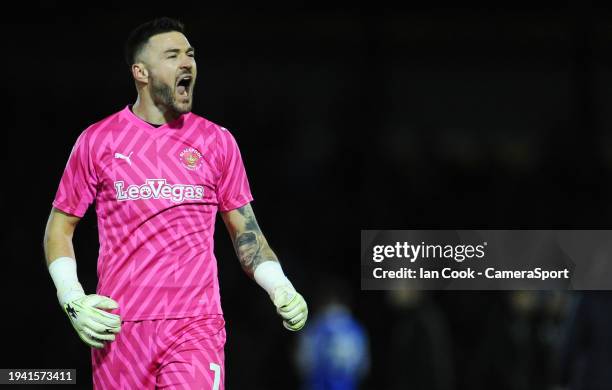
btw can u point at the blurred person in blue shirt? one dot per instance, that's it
(333, 351)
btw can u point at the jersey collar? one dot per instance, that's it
(138, 122)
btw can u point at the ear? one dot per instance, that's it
(140, 72)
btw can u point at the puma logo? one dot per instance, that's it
(124, 157)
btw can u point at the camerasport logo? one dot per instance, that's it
(158, 189)
(191, 158)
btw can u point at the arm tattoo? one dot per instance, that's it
(250, 245)
(247, 248)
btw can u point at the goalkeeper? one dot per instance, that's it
(159, 175)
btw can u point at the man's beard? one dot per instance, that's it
(163, 95)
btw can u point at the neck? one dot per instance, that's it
(148, 111)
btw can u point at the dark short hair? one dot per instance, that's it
(140, 35)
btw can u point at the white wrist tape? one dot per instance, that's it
(64, 275)
(269, 275)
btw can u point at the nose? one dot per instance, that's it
(187, 63)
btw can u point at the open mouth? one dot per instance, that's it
(183, 85)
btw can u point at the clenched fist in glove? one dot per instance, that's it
(87, 313)
(94, 325)
(290, 305)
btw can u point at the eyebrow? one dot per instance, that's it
(178, 50)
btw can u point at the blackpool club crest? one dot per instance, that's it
(191, 158)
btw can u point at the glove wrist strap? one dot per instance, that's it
(269, 275)
(64, 275)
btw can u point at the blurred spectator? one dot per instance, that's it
(587, 349)
(518, 342)
(419, 355)
(333, 352)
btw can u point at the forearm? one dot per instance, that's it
(250, 245)
(60, 258)
(260, 262)
(256, 257)
(56, 246)
(252, 249)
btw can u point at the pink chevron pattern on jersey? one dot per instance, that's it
(156, 194)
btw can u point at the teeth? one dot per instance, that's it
(185, 81)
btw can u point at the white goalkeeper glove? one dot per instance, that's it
(87, 313)
(290, 305)
(93, 325)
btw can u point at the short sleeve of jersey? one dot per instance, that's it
(233, 188)
(77, 188)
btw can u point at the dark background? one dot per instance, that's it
(347, 119)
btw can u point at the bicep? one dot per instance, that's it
(61, 223)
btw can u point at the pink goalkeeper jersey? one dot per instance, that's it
(157, 192)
